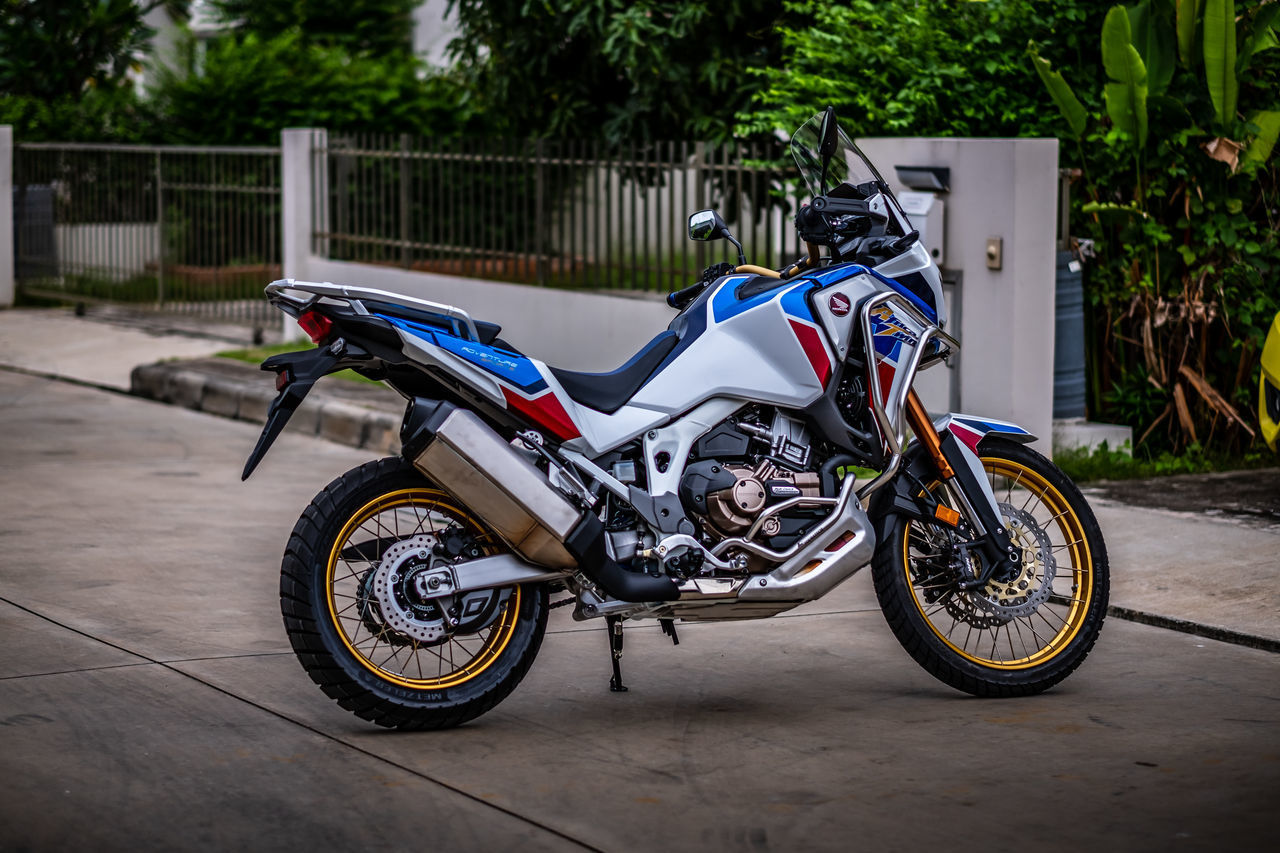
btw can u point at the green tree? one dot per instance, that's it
(379, 27)
(907, 68)
(620, 70)
(248, 89)
(63, 68)
(53, 50)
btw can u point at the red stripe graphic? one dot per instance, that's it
(813, 350)
(887, 372)
(544, 410)
(969, 436)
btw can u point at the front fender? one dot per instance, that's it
(971, 430)
(902, 495)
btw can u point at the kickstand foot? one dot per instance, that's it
(613, 627)
(669, 628)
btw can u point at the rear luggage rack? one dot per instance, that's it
(277, 293)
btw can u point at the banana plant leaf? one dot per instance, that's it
(1220, 58)
(1188, 15)
(1126, 94)
(1261, 37)
(1260, 148)
(1072, 110)
(1151, 23)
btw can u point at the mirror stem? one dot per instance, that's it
(742, 257)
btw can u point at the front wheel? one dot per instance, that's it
(359, 593)
(1016, 636)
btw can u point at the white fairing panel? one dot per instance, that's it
(750, 353)
(917, 260)
(836, 308)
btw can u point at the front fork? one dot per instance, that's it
(962, 476)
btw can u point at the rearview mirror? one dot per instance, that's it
(706, 225)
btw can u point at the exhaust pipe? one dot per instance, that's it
(459, 452)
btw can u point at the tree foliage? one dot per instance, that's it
(249, 88)
(906, 68)
(621, 70)
(58, 50)
(378, 27)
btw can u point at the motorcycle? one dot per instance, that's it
(750, 458)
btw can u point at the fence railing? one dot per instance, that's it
(192, 229)
(198, 229)
(561, 213)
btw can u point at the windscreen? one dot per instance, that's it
(848, 165)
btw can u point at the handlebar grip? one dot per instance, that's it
(842, 206)
(681, 298)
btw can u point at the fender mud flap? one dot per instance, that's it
(301, 370)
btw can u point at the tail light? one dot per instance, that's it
(316, 325)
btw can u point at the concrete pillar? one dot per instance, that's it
(300, 190)
(1005, 189)
(6, 216)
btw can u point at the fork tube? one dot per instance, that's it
(918, 418)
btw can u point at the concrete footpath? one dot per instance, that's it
(1204, 570)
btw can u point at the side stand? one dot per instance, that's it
(613, 627)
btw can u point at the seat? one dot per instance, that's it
(607, 392)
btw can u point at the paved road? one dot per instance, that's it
(148, 699)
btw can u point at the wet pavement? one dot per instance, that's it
(1249, 497)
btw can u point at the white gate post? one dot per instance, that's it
(6, 216)
(299, 195)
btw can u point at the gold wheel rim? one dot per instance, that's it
(1033, 640)
(405, 662)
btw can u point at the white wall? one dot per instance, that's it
(434, 26)
(580, 331)
(111, 250)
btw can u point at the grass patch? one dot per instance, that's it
(257, 355)
(1103, 463)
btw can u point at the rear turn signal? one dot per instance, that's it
(316, 325)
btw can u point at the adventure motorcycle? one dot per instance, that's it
(748, 459)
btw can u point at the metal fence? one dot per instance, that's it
(189, 229)
(560, 213)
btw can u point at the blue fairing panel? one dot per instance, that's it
(725, 303)
(511, 367)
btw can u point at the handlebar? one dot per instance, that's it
(681, 298)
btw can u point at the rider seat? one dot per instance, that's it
(607, 392)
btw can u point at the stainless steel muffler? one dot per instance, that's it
(471, 462)
(460, 453)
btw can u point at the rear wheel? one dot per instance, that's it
(358, 593)
(1017, 636)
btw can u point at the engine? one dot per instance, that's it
(741, 469)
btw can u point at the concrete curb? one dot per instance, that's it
(247, 397)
